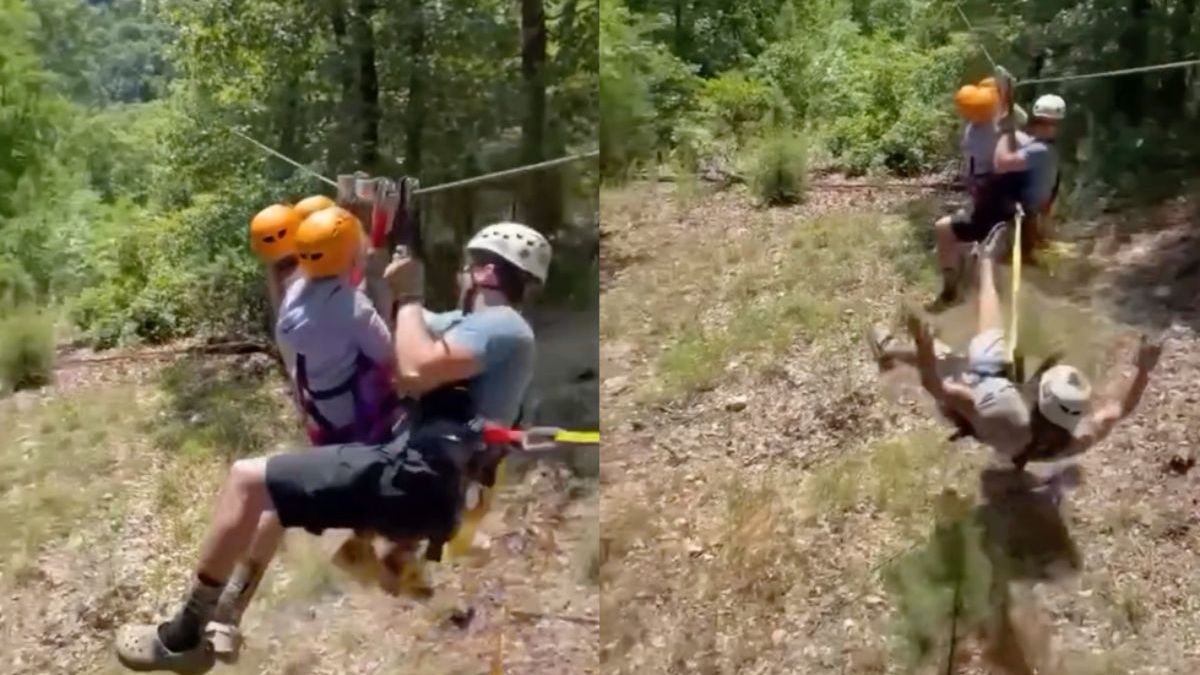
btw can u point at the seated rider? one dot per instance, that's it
(341, 349)
(1024, 171)
(1027, 167)
(408, 488)
(338, 356)
(983, 107)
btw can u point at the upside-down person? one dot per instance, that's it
(472, 363)
(975, 394)
(1049, 418)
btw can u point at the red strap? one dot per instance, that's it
(497, 435)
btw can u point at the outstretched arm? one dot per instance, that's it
(1105, 418)
(953, 397)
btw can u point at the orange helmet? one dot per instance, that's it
(272, 232)
(977, 104)
(310, 205)
(327, 242)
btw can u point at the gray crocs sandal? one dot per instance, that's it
(878, 339)
(140, 649)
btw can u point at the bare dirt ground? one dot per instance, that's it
(759, 481)
(105, 490)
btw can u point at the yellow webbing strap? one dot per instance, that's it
(585, 437)
(1016, 286)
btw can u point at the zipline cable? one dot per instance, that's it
(506, 173)
(285, 158)
(434, 188)
(1110, 73)
(971, 28)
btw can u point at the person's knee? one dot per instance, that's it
(269, 521)
(249, 476)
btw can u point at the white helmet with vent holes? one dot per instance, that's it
(1050, 107)
(519, 244)
(1063, 395)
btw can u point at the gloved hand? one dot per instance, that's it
(405, 275)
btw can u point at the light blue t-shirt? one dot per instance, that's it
(333, 324)
(1042, 165)
(502, 342)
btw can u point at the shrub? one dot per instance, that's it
(16, 285)
(26, 349)
(777, 168)
(736, 103)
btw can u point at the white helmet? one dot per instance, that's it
(1050, 107)
(1063, 395)
(519, 244)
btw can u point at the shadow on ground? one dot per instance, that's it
(958, 587)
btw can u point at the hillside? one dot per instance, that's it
(761, 482)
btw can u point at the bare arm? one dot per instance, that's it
(1008, 157)
(1102, 421)
(955, 396)
(423, 362)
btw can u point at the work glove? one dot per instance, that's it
(405, 276)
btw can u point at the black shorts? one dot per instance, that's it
(974, 225)
(394, 490)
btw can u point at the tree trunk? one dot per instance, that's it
(1128, 91)
(541, 190)
(1173, 96)
(680, 36)
(346, 109)
(290, 122)
(368, 87)
(414, 114)
(533, 71)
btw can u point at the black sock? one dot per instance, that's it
(949, 282)
(186, 628)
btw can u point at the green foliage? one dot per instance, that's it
(945, 585)
(643, 88)
(777, 170)
(16, 285)
(871, 82)
(213, 408)
(124, 197)
(26, 349)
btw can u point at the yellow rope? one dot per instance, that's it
(1016, 285)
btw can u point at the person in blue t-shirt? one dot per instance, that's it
(396, 489)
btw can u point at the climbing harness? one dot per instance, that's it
(371, 424)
